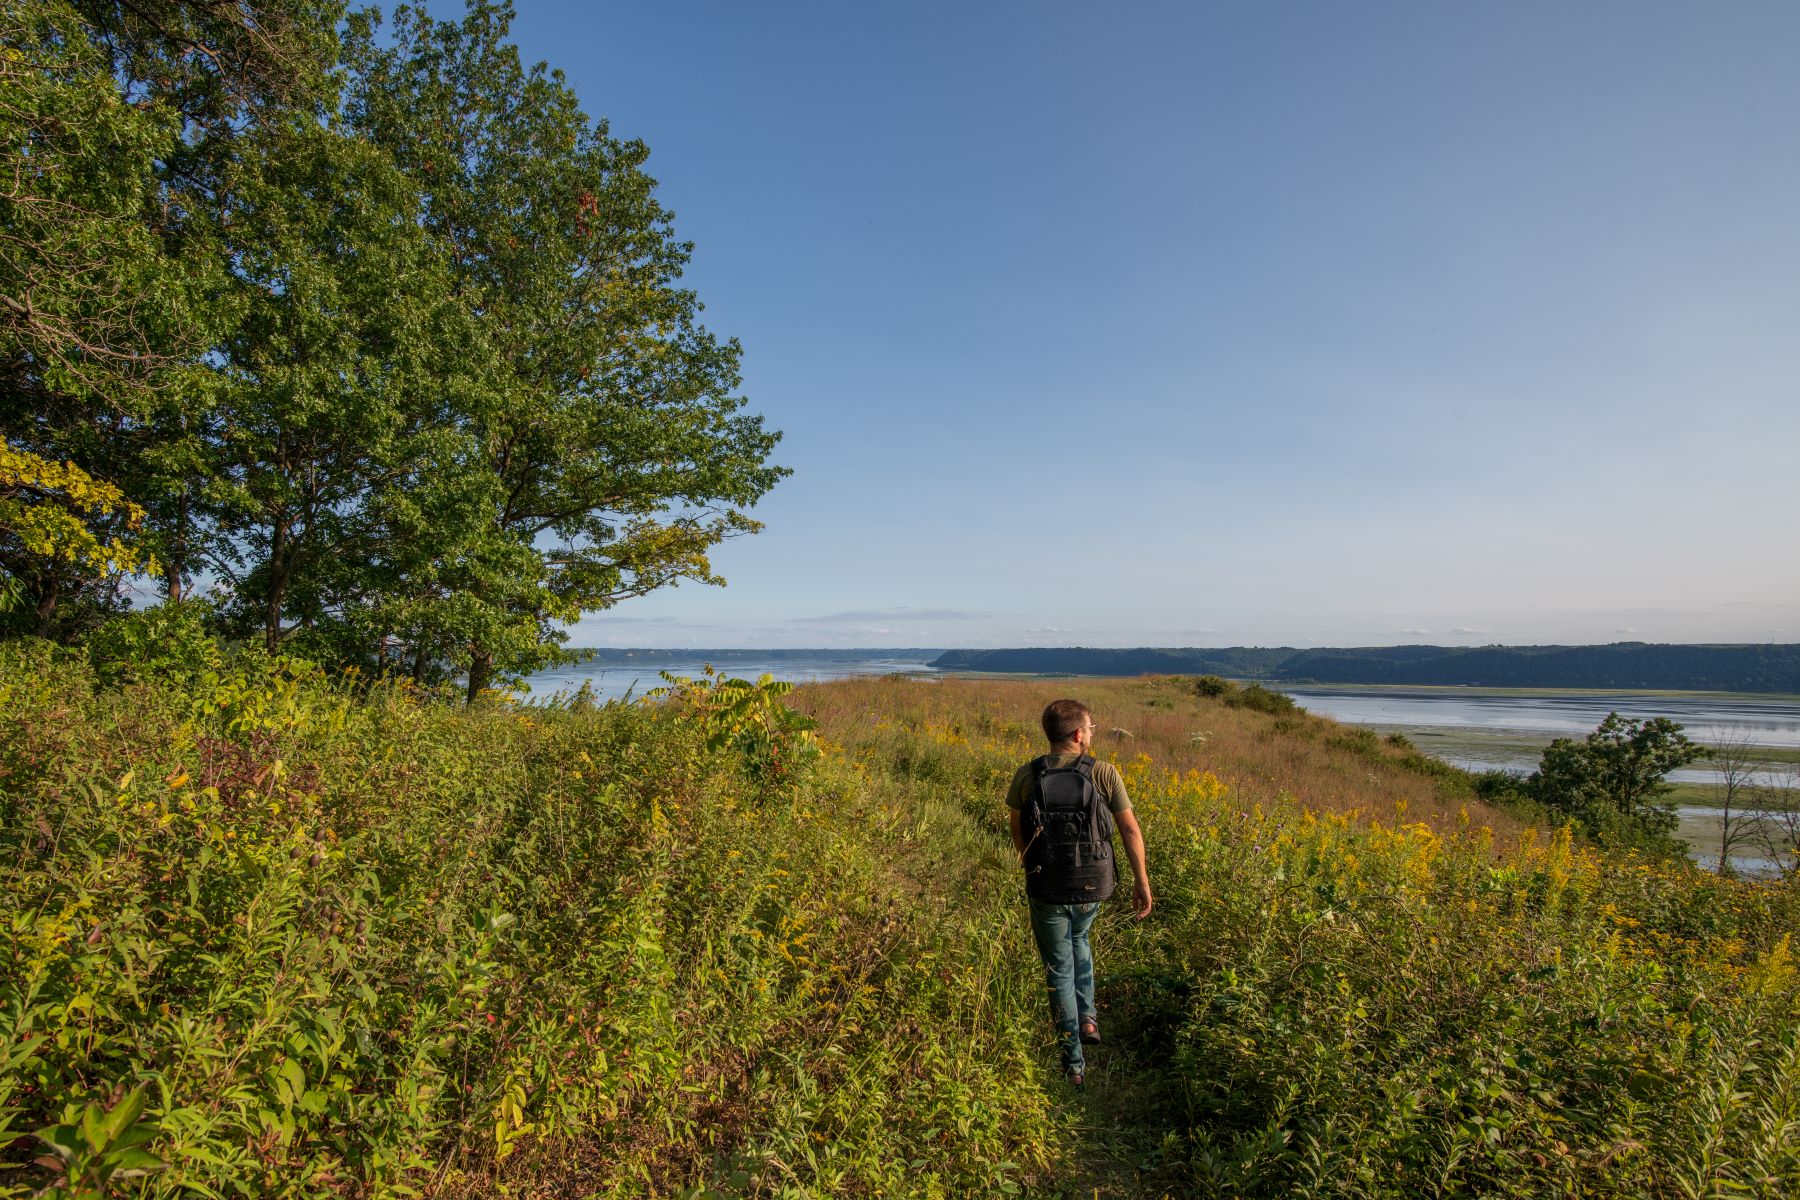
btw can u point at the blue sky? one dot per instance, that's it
(1186, 324)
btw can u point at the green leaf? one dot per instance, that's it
(93, 1126)
(65, 1140)
(135, 1162)
(294, 1077)
(124, 1114)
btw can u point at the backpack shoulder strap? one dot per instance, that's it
(1101, 813)
(1034, 794)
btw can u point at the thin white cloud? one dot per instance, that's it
(895, 614)
(1466, 629)
(1418, 632)
(1050, 629)
(1627, 629)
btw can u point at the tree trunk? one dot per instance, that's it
(481, 673)
(175, 570)
(272, 616)
(279, 570)
(48, 594)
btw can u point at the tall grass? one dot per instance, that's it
(1267, 758)
(1348, 1001)
(271, 934)
(362, 943)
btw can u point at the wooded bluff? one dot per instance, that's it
(1722, 668)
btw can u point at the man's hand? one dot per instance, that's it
(1141, 899)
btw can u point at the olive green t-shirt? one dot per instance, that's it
(1107, 781)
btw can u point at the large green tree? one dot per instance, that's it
(330, 387)
(607, 443)
(386, 335)
(116, 121)
(91, 305)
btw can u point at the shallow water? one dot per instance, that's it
(615, 680)
(1766, 722)
(1508, 733)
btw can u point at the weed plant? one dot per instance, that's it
(269, 934)
(1326, 1003)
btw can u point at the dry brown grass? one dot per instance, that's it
(1322, 764)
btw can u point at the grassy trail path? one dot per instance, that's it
(1113, 1135)
(1119, 1120)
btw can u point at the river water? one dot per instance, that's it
(1508, 731)
(613, 680)
(1768, 722)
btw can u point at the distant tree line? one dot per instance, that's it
(1739, 668)
(373, 336)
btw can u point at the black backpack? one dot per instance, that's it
(1068, 835)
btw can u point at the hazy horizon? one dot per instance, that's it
(938, 649)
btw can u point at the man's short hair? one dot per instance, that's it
(1063, 718)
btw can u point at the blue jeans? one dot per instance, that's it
(1061, 931)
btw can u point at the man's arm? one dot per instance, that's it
(1141, 899)
(1017, 822)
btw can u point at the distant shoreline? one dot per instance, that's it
(1471, 689)
(639, 654)
(1744, 670)
(1299, 687)
(1750, 669)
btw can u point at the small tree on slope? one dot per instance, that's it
(1610, 782)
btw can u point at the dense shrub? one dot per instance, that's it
(1253, 696)
(165, 641)
(295, 937)
(1213, 687)
(1501, 787)
(1398, 750)
(1358, 740)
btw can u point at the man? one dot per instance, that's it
(1063, 807)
